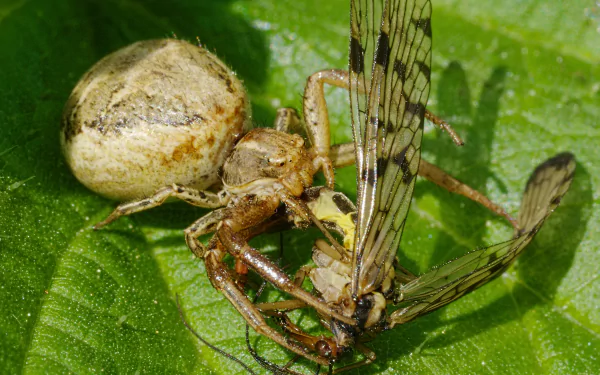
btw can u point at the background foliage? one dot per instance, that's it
(520, 80)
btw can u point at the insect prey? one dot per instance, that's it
(389, 81)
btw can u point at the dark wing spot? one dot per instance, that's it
(357, 55)
(407, 178)
(424, 68)
(381, 165)
(390, 127)
(400, 69)
(383, 50)
(496, 269)
(559, 161)
(400, 160)
(414, 108)
(423, 24)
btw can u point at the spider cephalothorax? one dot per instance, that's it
(268, 159)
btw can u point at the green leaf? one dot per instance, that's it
(519, 80)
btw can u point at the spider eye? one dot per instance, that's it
(277, 162)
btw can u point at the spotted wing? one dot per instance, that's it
(365, 22)
(388, 126)
(440, 286)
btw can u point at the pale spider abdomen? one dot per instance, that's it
(152, 114)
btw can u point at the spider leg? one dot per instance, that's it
(209, 223)
(269, 308)
(247, 214)
(325, 346)
(443, 179)
(287, 120)
(206, 224)
(316, 117)
(318, 344)
(270, 272)
(343, 155)
(314, 103)
(444, 126)
(192, 196)
(222, 280)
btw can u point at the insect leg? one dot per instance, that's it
(192, 196)
(299, 208)
(324, 346)
(242, 217)
(369, 358)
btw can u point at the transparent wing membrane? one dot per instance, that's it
(444, 284)
(388, 127)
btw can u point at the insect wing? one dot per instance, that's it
(388, 130)
(365, 20)
(442, 285)
(552, 178)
